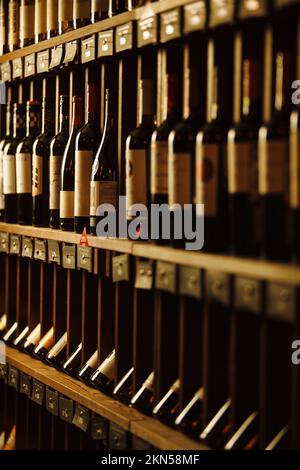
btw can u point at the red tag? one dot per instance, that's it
(84, 239)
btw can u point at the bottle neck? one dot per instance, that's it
(63, 122)
(32, 122)
(91, 112)
(47, 120)
(171, 105)
(77, 115)
(251, 102)
(8, 120)
(215, 96)
(18, 123)
(282, 81)
(147, 107)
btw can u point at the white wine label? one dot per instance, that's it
(107, 367)
(273, 163)
(23, 173)
(207, 177)
(103, 192)
(13, 22)
(52, 14)
(179, 178)
(159, 168)
(294, 163)
(66, 202)
(40, 17)
(1, 182)
(136, 178)
(37, 175)
(82, 9)
(65, 10)
(26, 21)
(83, 171)
(241, 166)
(54, 181)
(9, 174)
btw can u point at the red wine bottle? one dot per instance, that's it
(86, 146)
(44, 345)
(242, 152)
(86, 371)
(8, 177)
(72, 364)
(189, 419)
(216, 433)
(281, 441)
(104, 184)
(167, 408)
(137, 155)
(57, 354)
(67, 180)
(143, 400)
(123, 390)
(40, 168)
(103, 377)
(21, 337)
(32, 340)
(24, 163)
(273, 167)
(11, 334)
(57, 148)
(246, 437)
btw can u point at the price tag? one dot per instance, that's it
(99, 428)
(17, 68)
(43, 62)
(4, 242)
(252, 8)
(29, 65)
(248, 295)
(81, 417)
(120, 268)
(170, 25)
(25, 384)
(69, 256)
(281, 302)
(166, 277)
(118, 437)
(85, 258)
(66, 409)
(194, 17)
(88, 49)
(27, 247)
(71, 52)
(190, 282)
(106, 43)
(218, 287)
(13, 377)
(40, 250)
(147, 31)
(6, 72)
(52, 401)
(144, 275)
(54, 252)
(15, 244)
(56, 56)
(124, 37)
(38, 390)
(221, 12)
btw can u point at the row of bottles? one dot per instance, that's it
(24, 22)
(217, 434)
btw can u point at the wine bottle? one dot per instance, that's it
(67, 170)
(32, 340)
(11, 334)
(57, 148)
(242, 153)
(65, 16)
(294, 191)
(57, 354)
(280, 441)
(3, 26)
(13, 24)
(104, 185)
(81, 13)
(23, 163)
(246, 437)
(99, 10)
(159, 143)
(52, 18)
(73, 363)
(103, 377)
(87, 141)
(21, 336)
(144, 398)
(3, 143)
(40, 168)
(40, 20)
(44, 345)
(216, 433)
(88, 369)
(26, 23)
(167, 407)
(211, 174)
(273, 167)
(189, 419)
(137, 155)
(123, 390)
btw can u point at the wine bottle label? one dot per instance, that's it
(207, 177)
(46, 341)
(294, 169)
(273, 157)
(26, 23)
(159, 168)
(37, 175)
(54, 181)
(58, 347)
(107, 367)
(82, 9)
(13, 22)
(9, 174)
(136, 178)
(66, 202)
(103, 192)
(40, 17)
(179, 178)
(1, 181)
(241, 166)
(65, 10)
(83, 171)
(52, 15)
(34, 337)
(23, 173)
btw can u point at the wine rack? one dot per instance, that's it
(222, 325)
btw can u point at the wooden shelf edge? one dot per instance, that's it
(149, 429)
(103, 25)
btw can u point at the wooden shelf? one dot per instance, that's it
(159, 7)
(283, 273)
(129, 419)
